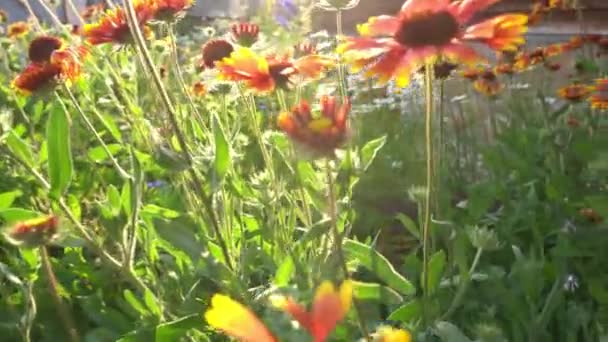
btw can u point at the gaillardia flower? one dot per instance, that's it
(92, 11)
(599, 98)
(34, 232)
(575, 92)
(245, 34)
(113, 27)
(320, 134)
(3, 16)
(171, 10)
(329, 307)
(396, 46)
(18, 29)
(199, 89)
(264, 74)
(236, 320)
(390, 334)
(488, 84)
(214, 51)
(51, 62)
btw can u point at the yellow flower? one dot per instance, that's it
(390, 334)
(236, 320)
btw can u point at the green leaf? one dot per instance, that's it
(409, 224)
(7, 198)
(174, 330)
(60, 154)
(370, 150)
(376, 292)
(13, 215)
(448, 332)
(436, 267)
(135, 303)
(284, 272)
(20, 148)
(377, 263)
(407, 312)
(151, 303)
(98, 154)
(222, 161)
(114, 200)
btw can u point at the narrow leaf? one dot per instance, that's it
(222, 153)
(60, 154)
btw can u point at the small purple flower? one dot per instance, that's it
(156, 184)
(284, 11)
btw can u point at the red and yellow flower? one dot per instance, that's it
(245, 34)
(504, 69)
(329, 307)
(472, 73)
(18, 29)
(599, 98)
(395, 46)
(320, 134)
(236, 320)
(575, 92)
(214, 51)
(264, 74)
(34, 232)
(488, 84)
(199, 89)
(390, 334)
(92, 11)
(50, 62)
(113, 27)
(171, 10)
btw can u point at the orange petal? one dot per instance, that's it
(465, 9)
(236, 320)
(384, 25)
(416, 6)
(461, 53)
(329, 308)
(312, 66)
(296, 311)
(412, 60)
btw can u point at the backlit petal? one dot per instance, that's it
(384, 67)
(327, 311)
(465, 9)
(384, 25)
(461, 54)
(504, 32)
(415, 6)
(312, 66)
(236, 320)
(412, 61)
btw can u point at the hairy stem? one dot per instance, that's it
(172, 115)
(426, 230)
(62, 310)
(333, 215)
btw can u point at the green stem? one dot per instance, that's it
(62, 310)
(464, 285)
(172, 115)
(333, 215)
(426, 230)
(124, 174)
(180, 78)
(341, 76)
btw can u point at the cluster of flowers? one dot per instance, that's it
(330, 306)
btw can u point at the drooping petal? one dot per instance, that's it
(465, 9)
(384, 25)
(384, 67)
(504, 32)
(236, 320)
(363, 47)
(411, 61)
(461, 53)
(36, 76)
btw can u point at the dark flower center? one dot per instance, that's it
(427, 29)
(216, 50)
(281, 73)
(42, 48)
(489, 76)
